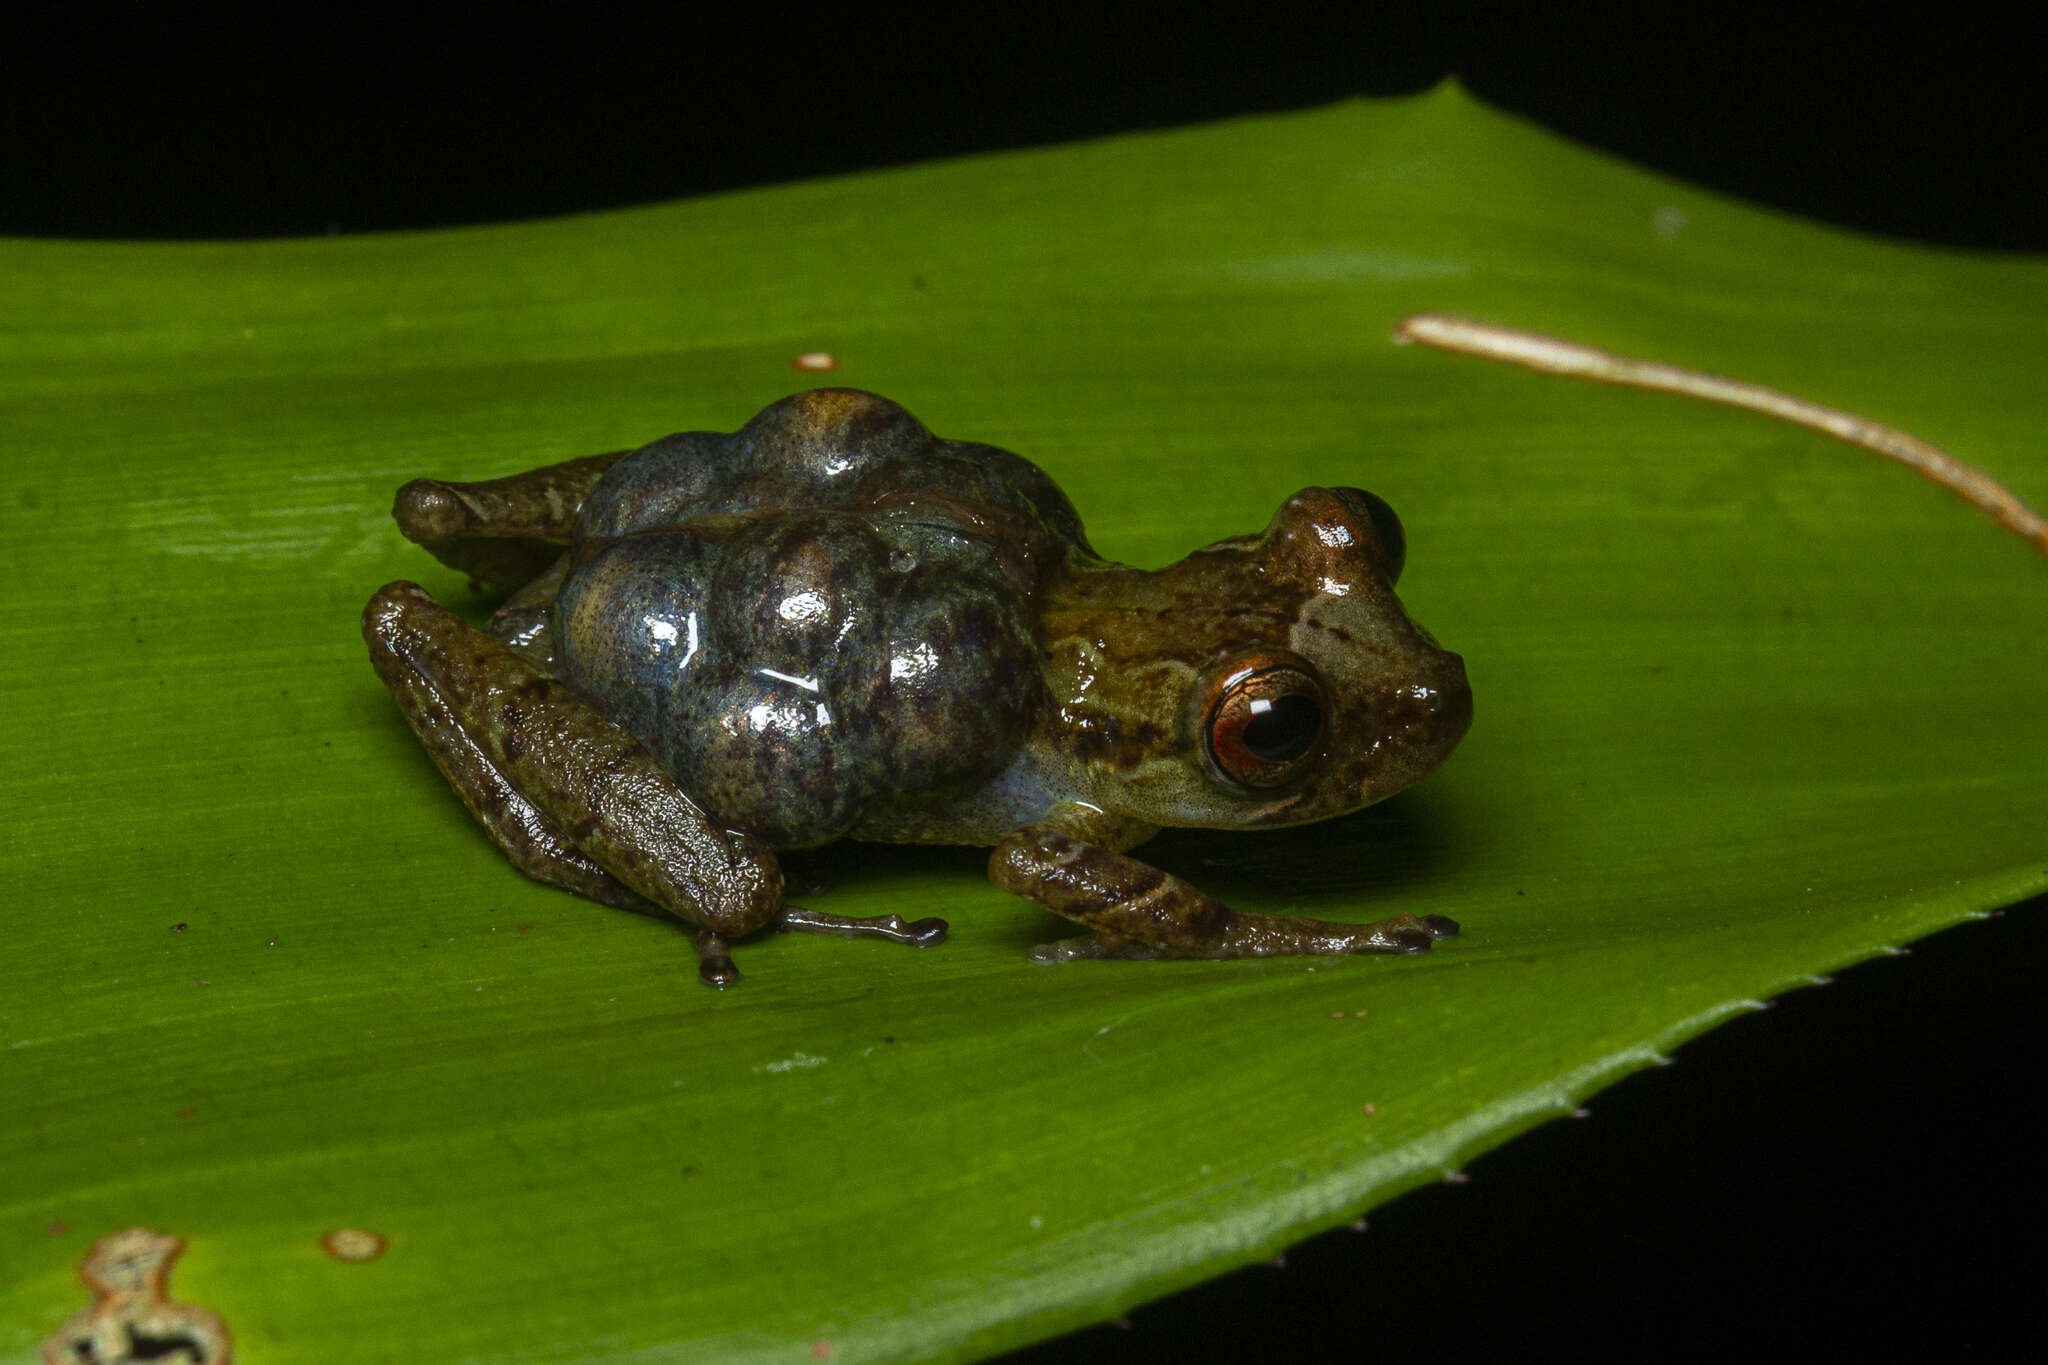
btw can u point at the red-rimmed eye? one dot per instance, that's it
(1264, 724)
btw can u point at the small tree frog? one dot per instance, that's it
(832, 624)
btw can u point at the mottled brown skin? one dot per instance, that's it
(831, 624)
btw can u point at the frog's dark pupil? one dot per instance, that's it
(1284, 730)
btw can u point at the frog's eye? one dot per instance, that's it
(1264, 724)
(1385, 525)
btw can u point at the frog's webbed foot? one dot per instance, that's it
(923, 933)
(714, 958)
(1137, 911)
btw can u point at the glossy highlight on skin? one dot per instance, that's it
(832, 624)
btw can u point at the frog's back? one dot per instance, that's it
(822, 448)
(825, 610)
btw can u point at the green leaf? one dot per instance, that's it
(1751, 706)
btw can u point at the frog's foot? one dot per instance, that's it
(1263, 936)
(714, 960)
(923, 933)
(1283, 935)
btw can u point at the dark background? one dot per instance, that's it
(1857, 1169)
(167, 122)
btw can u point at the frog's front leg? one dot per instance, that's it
(573, 799)
(501, 532)
(1138, 911)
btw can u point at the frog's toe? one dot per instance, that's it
(921, 933)
(1406, 934)
(714, 962)
(918, 933)
(925, 933)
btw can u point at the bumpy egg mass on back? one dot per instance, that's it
(820, 610)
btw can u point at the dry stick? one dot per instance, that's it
(1552, 356)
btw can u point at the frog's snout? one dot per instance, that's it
(1453, 701)
(1418, 723)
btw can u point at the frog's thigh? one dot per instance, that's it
(502, 532)
(573, 799)
(1139, 911)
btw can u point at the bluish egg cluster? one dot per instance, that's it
(826, 608)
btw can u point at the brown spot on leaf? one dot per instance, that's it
(353, 1244)
(814, 362)
(133, 1316)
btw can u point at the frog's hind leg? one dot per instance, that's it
(505, 532)
(571, 798)
(1138, 911)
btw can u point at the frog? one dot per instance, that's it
(719, 650)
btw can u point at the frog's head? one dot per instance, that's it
(1266, 680)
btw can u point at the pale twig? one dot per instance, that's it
(1553, 356)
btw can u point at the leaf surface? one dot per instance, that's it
(1751, 706)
